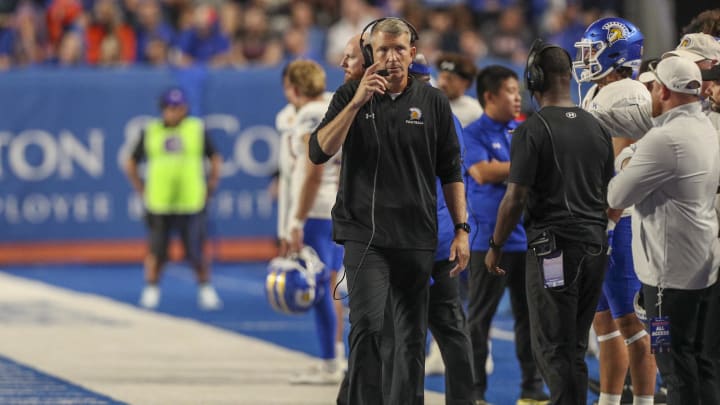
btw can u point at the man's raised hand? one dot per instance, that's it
(370, 84)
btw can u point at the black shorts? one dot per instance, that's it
(193, 232)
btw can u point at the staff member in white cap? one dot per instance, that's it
(671, 178)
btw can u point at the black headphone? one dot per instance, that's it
(366, 49)
(534, 74)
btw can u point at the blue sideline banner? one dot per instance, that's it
(65, 135)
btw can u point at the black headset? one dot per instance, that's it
(534, 74)
(366, 48)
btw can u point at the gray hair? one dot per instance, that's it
(392, 26)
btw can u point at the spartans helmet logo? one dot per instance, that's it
(415, 114)
(616, 31)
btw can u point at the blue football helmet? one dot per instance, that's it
(607, 44)
(291, 284)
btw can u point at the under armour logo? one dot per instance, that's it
(370, 116)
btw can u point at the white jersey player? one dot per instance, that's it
(312, 196)
(307, 119)
(284, 123)
(609, 53)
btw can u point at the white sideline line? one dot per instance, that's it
(143, 357)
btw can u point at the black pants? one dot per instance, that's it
(689, 374)
(192, 228)
(447, 323)
(486, 291)
(400, 279)
(711, 341)
(560, 320)
(712, 325)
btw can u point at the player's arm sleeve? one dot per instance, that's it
(631, 120)
(340, 99)
(651, 166)
(448, 163)
(523, 156)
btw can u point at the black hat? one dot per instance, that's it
(711, 74)
(459, 64)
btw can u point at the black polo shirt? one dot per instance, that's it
(567, 195)
(414, 138)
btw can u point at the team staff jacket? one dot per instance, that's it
(408, 141)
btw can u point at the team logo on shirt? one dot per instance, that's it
(415, 116)
(616, 31)
(570, 114)
(173, 144)
(496, 145)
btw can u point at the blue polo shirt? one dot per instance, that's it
(446, 227)
(203, 49)
(485, 140)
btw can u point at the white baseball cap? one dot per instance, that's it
(677, 74)
(697, 47)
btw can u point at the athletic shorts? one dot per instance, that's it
(621, 283)
(192, 229)
(318, 235)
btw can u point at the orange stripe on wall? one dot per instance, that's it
(130, 251)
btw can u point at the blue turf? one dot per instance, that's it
(246, 311)
(20, 384)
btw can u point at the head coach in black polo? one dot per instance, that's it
(561, 161)
(397, 136)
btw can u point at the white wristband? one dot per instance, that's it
(295, 223)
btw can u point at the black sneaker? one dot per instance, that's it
(661, 397)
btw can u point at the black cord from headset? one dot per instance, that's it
(557, 162)
(372, 210)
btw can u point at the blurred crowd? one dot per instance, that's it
(240, 33)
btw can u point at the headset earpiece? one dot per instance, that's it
(367, 53)
(366, 48)
(534, 75)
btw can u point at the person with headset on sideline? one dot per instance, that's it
(397, 135)
(175, 192)
(487, 162)
(561, 161)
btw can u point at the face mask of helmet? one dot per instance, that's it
(606, 45)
